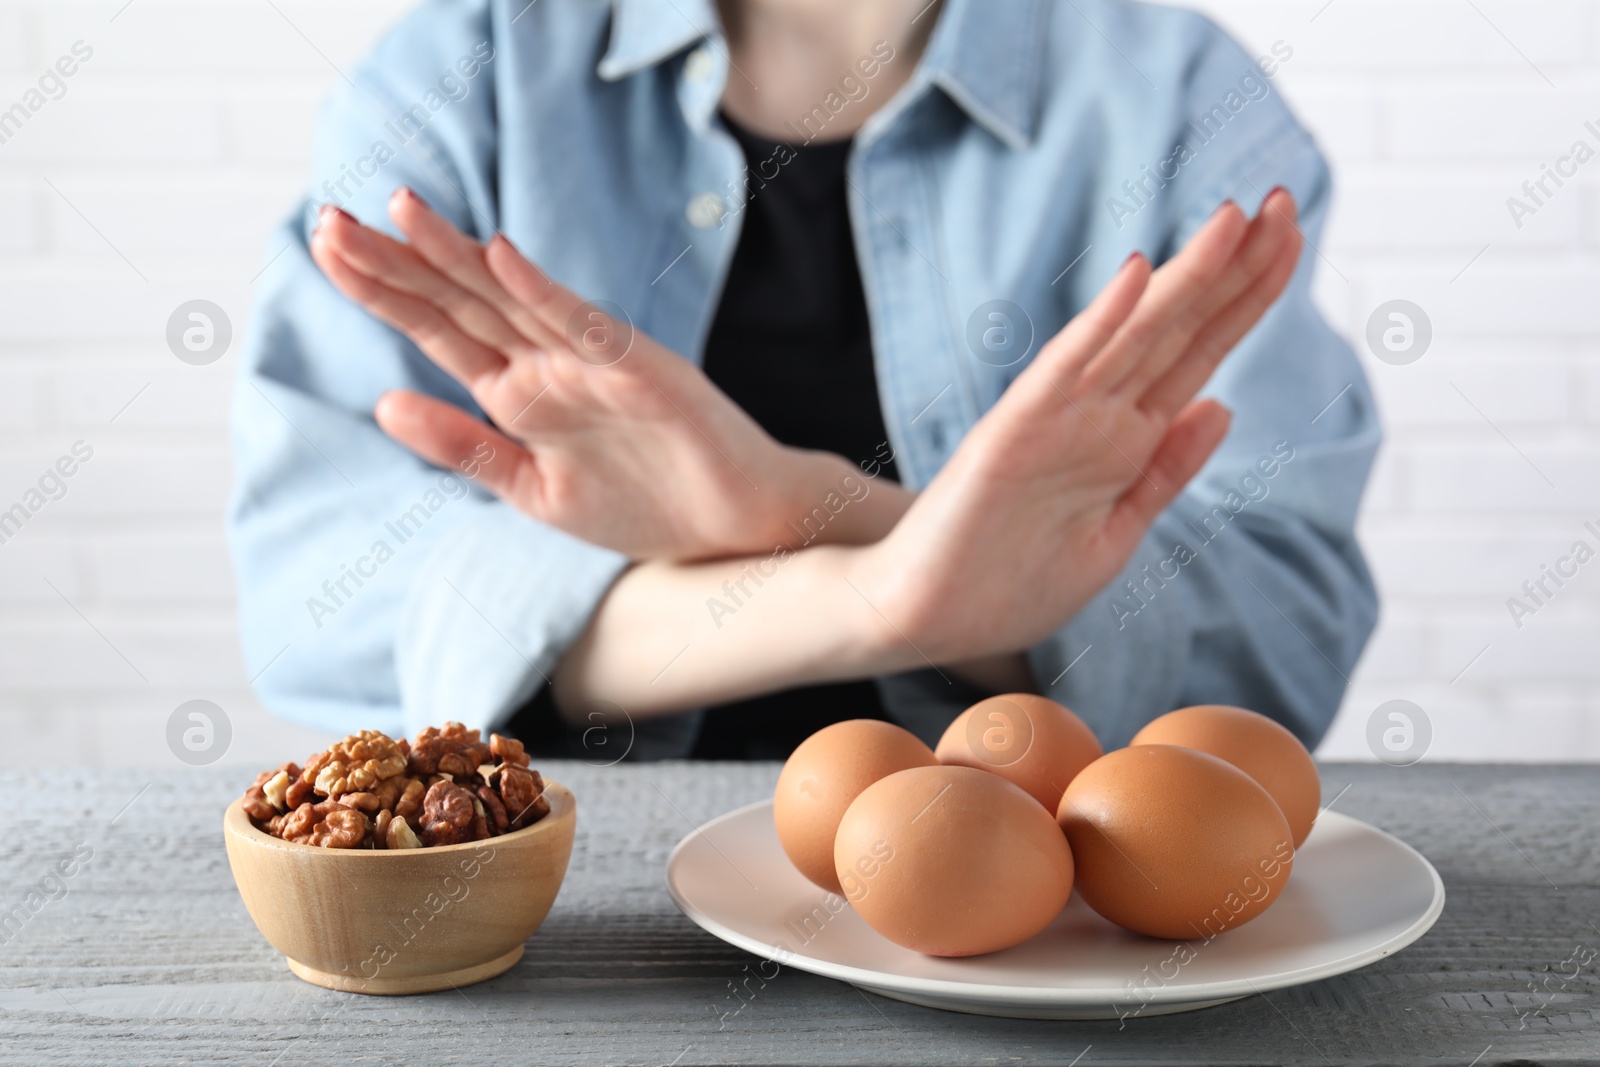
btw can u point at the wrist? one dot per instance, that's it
(830, 501)
(882, 621)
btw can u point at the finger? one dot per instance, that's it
(399, 267)
(1174, 296)
(439, 339)
(1191, 439)
(462, 260)
(448, 437)
(533, 288)
(1195, 367)
(1066, 354)
(1272, 229)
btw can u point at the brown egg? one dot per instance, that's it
(952, 861)
(1029, 740)
(824, 774)
(1256, 745)
(1175, 843)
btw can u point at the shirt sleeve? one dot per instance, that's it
(1250, 589)
(376, 591)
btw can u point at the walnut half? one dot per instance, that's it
(522, 791)
(453, 750)
(448, 814)
(356, 764)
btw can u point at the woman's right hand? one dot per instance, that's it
(598, 429)
(1050, 493)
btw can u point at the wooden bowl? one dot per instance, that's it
(406, 921)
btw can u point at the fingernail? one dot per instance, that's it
(1131, 257)
(1225, 205)
(328, 211)
(405, 192)
(1275, 190)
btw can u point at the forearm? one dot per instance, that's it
(673, 636)
(876, 505)
(668, 637)
(840, 504)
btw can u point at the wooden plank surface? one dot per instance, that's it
(145, 954)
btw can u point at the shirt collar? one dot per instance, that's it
(986, 55)
(646, 32)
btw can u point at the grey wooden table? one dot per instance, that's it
(145, 954)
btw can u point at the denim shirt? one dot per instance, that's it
(1034, 148)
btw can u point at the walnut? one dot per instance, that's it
(300, 790)
(315, 762)
(361, 801)
(454, 750)
(357, 763)
(409, 802)
(447, 814)
(508, 750)
(264, 800)
(390, 790)
(400, 835)
(498, 819)
(276, 788)
(380, 828)
(328, 824)
(344, 828)
(254, 802)
(522, 791)
(296, 826)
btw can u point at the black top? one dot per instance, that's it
(791, 345)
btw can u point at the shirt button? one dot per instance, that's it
(706, 211)
(697, 68)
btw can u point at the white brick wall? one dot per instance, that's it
(1433, 113)
(184, 139)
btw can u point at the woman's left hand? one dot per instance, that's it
(1049, 495)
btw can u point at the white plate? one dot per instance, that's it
(1356, 895)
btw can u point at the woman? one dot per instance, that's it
(878, 392)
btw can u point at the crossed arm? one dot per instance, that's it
(1042, 504)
